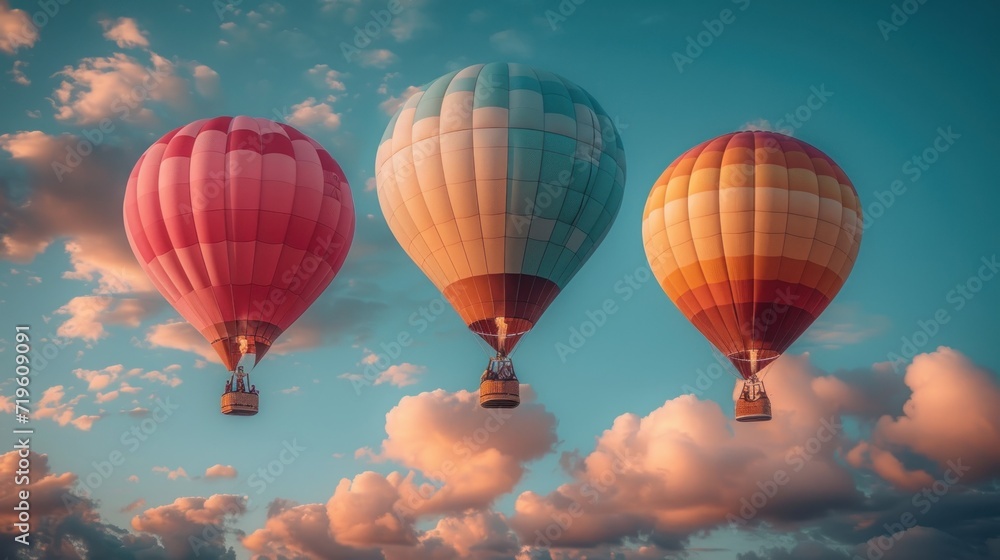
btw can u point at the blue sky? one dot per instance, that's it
(872, 97)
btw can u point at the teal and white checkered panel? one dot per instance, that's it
(500, 168)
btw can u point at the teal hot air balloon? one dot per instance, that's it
(499, 181)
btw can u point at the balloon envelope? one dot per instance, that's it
(751, 235)
(240, 223)
(499, 181)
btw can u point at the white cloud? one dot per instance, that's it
(391, 105)
(511, 42)
(272, 9)
(134, 505)
(18, 73)
(311, 113)
(332, 78)
(842, 325)
(168, 380)
(400, 375)
(478, 15)
(376, 58)
(408, 21)
(174, 474)
(765, 125)
(206, 81)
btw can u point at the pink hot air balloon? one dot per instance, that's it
(240, 223)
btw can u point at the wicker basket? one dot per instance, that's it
(753, 411)
(237, 403)
(496, 393)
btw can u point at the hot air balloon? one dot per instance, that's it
(240, 223)
(499, 181)
(751, 235)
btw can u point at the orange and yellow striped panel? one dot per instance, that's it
(751, 235)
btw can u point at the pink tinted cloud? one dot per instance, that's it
(133, 505)
(180, 335)
(400, 375)
(302, 532)
(315, 114)
(63, 204)
(164, 378)
(951, 414)
(363, 520)
(125, 33)
(329, 77)
(172, 474)
(46, 489)
(119, 87)
(51, 406)
(16, 29)
(363, 512)
(17, 72)
(99, 379)
(88, 315)
(376, 58)
(687, 466)
(393, 103)
(470, 456)
(220, 471)
(475, 455)
(72, 521)
(677, 471)
(887, 466)
(478, 535)
(206, 81)
(181, 526)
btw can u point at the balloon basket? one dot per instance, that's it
(753, 404)
(753, 411)
(499, 387)
(499, 394)
(237, 403)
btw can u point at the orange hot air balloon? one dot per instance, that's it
(751, 235)
(240, 223)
